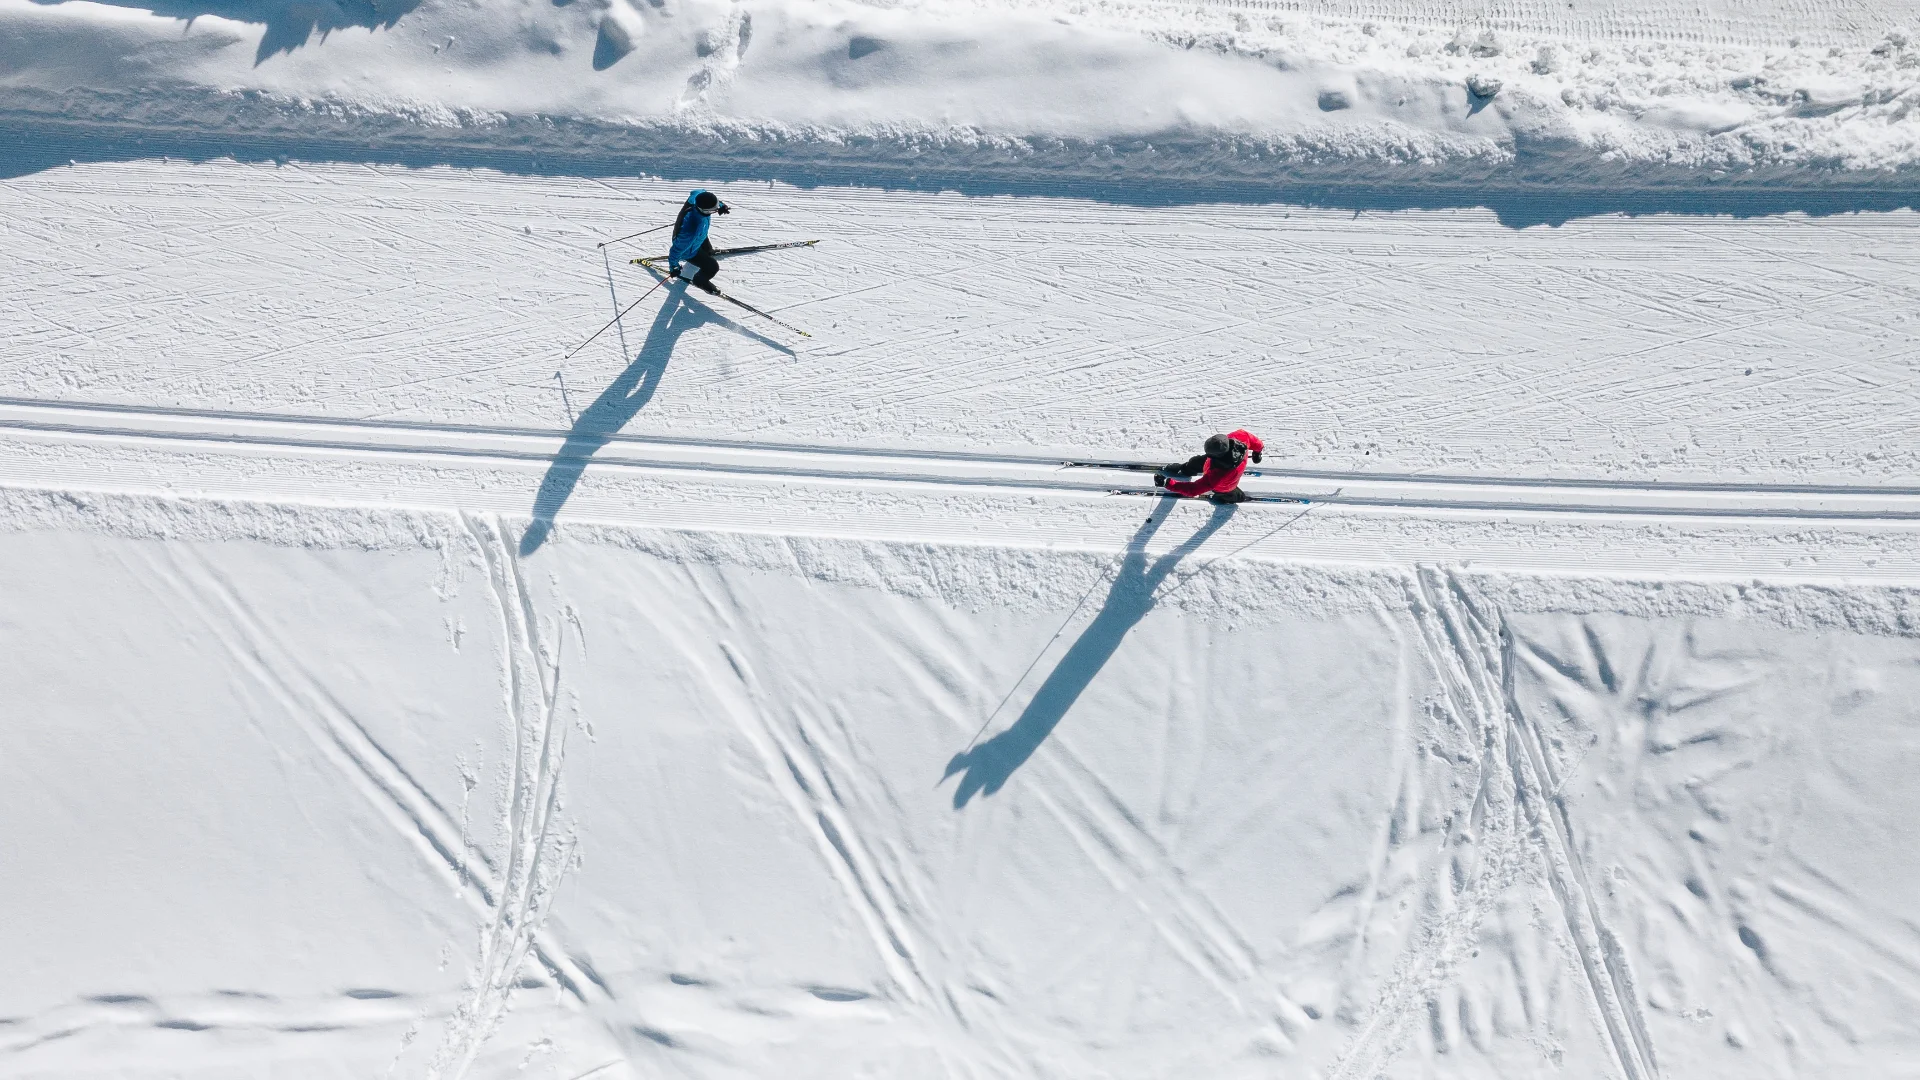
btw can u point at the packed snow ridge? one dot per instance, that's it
(1120, 91)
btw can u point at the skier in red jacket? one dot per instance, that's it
(1219, 468)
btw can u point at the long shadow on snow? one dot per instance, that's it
(290, 24)
(32, 148)
(623, 399)
(988, 765)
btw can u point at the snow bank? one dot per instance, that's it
(979, 576)
(1117, 91)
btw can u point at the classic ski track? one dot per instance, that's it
(801, 462)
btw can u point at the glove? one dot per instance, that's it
(1256, 457)
(1159, 480)
(673, 271)
(722, 209)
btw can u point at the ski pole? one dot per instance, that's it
(629, 236)
(615, 319)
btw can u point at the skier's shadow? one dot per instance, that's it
(987, 766)
(599, 422)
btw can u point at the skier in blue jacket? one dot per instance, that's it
(690, 246)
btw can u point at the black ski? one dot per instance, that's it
(728, 253)
(1299, 500)
(1129, 466)
(1132, 466)
(744, 306)
(713, 291)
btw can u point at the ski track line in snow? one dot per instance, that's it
(817, 804)
(809, 797)
(1603, 959)
(502, 899)
(1486, 652)
(1387, 491)
(800, 782)
(1137, 863)
(1479, 854)
(816, 783)
(1540, 792)
(1473, 654)
(536, 860)
(1402, 786)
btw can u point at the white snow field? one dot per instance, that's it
(388, 696)
(396, 688)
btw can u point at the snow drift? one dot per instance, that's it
(1125, 92)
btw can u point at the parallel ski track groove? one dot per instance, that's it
(1598, 947)
(296, 439)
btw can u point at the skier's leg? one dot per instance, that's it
(1228, 498)
(704, 267)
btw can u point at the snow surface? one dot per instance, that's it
(395, 689)
(1814, 93)
(803, 718)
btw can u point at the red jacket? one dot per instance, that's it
(1213, 477)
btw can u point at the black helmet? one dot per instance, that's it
(1222, 448)
(706, 200)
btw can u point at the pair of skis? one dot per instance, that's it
(654, 263)
(1148, 467)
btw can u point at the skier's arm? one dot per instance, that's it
(686, 239)
(1188, 467)
(1254, 445)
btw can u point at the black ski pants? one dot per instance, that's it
(703, 263)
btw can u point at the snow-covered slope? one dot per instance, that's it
(1117, 91)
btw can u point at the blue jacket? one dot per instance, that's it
(689, 231)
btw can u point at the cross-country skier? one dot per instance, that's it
(690, 247)
(1219, 468)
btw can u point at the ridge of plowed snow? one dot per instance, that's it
(1111, 90)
